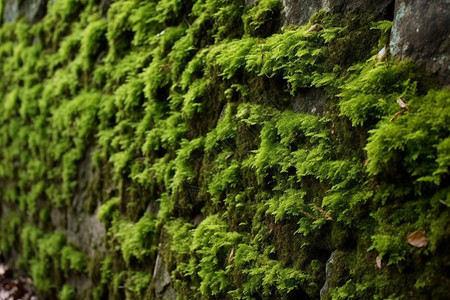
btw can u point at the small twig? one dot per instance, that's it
(229, 156)
(309, 215)
(444, 203)
(326, 214)
(403, 106)
(187, 22)
(398, 114)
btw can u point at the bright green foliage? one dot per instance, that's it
(189, 130)
(138, 283)
(67, 293)
(72, 259)
(135, 239)
(44, 253)
(109, 210)
(262, 18)
(417, 137)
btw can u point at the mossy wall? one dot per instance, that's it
(239, 153)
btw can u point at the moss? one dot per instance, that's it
(263, 18)
(135, 239)
(67, 293)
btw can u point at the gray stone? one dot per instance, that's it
(249, 2)
(198, 219)
(162, 281)
(421, 32)
(83, 229)
(298, 12)
(32, 10)
(310, 101)
(329, 268)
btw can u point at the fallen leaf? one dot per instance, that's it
(417, 239)
(315, 27)
(229, 156)
(378, 260)
(231, 257)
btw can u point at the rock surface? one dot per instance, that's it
(329, 268)
(421, 32)
(32, 10)
(310, 101)
(298, 12)
(162, 281)
(84, 229)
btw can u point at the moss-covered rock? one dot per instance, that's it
(203, 135)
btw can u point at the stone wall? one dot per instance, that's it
(226, 149)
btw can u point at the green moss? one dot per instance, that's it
(263, 18)
(67, 293)
(109, 210)
(135, 239)
(72, 259)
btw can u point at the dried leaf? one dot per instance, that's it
(229, 156)
(378, 260)
(231, 257)
(417, 239)
(315, 27)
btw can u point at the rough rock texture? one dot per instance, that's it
(162, 281)
(329, 267)
(32, 10)
(83, 228)
(310, 101)
(298, 12)
(421, 32)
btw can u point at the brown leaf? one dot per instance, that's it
(378, 260)
(229, 156)
(231, 257)
(315, 27)
(417, 239)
